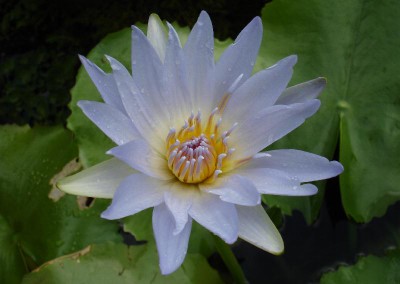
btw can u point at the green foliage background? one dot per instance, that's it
(352, 43)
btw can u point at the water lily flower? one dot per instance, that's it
(188, 133)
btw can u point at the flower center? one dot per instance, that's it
(197, 152)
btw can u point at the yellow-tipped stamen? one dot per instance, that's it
(196, 153)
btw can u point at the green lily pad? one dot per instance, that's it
(33, 227)
(367, 270)
(117, 263)
(354, 44)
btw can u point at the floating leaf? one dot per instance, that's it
(33, 227)
(117, 263)
(367, 270)
(354, 44)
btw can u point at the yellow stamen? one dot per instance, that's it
(196, 152)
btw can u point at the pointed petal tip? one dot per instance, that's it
(82, 58)
(154, 17)
(338, 167)
(204, 16)
(167, 269)
(137, 32)
(255, 24)
(292, 59)
(309, 189)
(108, 215)
(279, 251)
(323, 80)
(257, 20)
(319, 82)
(104, 215)
(230, 241)
(81, 104)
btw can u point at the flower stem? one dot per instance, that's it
(230, 261)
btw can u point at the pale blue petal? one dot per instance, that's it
(171, 247)
(136, 193)
(146, 65)
(104, 83)
(178, 200)
(238, 59)
(275, 182)
(259, 91)
(199, 57)
(298, 164)
(111, 121)
(234, 189)
(179, 100)
(302, 92)
(217, 216)
(147, 114)
(140, 156)
(261, 129)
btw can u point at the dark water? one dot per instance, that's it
(312, 250)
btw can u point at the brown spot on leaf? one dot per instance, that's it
(84, 202)
(75, 255)
(73, 166)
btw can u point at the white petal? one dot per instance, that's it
(259, 91)
(179, 101)
(104, 83)
(99, 181)
(216, 215)
(156, 34)
(178, 199)
(302, 92)
(298, 164)
(237, 59)
(110, 120)
(135, 193)
(147, 69)
(234, 189)
(171, 247)
(143, 110)
(140, 156)
(263, 128)
(199, 58)
(275, 182)
(257, 228)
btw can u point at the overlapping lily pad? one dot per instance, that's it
(354, 44)
(117, 263)
(33, 227)
(367, 270)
